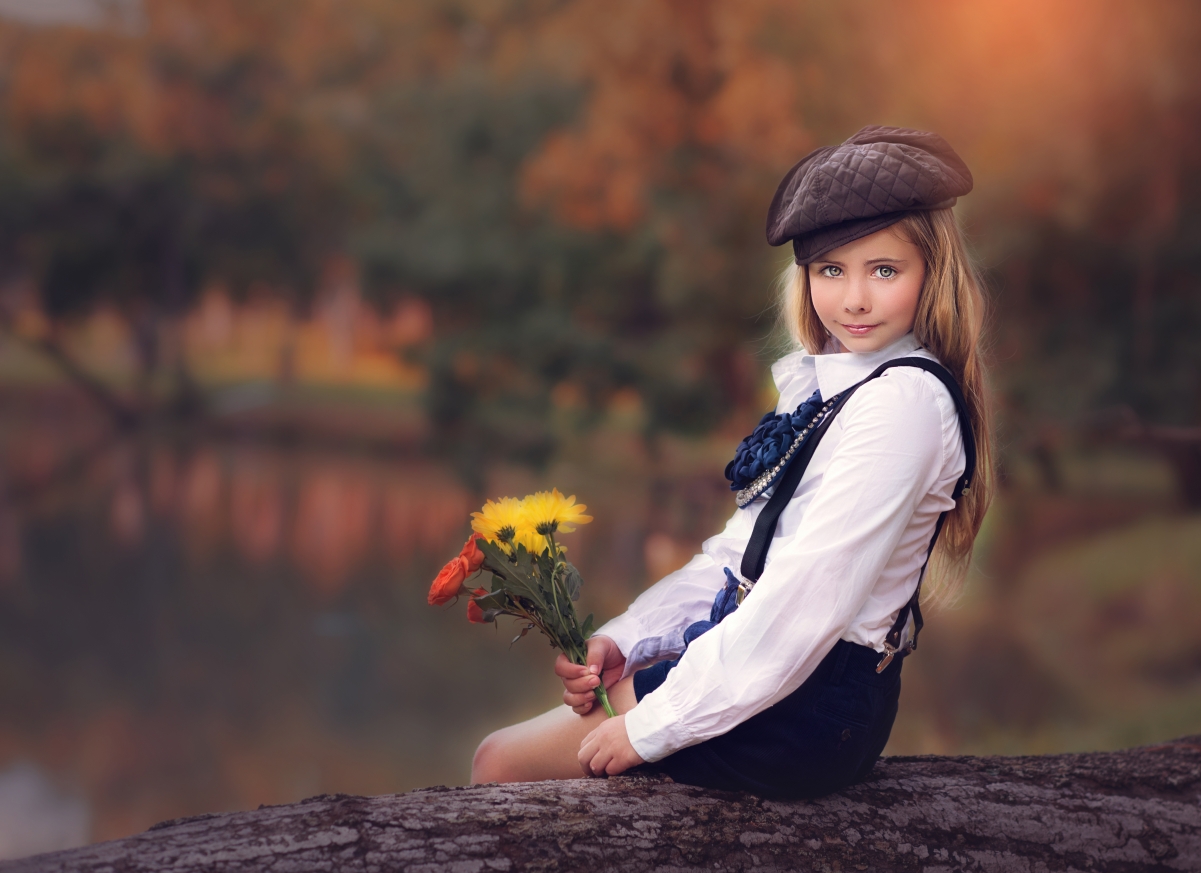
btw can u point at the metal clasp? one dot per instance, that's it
(890, 652)
(744, 588)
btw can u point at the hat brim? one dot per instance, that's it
(811, 246)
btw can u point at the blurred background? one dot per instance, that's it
(288, 287)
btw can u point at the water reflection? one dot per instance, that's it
(192, 625)
(218, 627)
(196, 624)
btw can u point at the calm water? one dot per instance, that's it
(194, 625)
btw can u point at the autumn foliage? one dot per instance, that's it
(576, 190)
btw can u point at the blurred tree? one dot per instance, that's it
(144, 164)
(578, 189)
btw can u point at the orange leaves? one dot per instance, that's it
(665, 78)
(200, 76)
(754, 114)
(74, 73)
(589, 180)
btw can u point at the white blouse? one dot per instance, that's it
(845, 558)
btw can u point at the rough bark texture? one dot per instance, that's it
(1133, 810)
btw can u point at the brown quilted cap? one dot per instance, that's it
(840, 193)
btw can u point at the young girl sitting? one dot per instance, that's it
(772, 661)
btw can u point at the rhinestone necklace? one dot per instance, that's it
(765, 479)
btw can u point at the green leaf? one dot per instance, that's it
(497, 603)
(546, 564)
(516, 573)
(586, 630)
(538, 589)
(573, 582)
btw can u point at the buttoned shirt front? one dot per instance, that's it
(845, 558)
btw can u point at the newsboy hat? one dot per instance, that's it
(837, 194)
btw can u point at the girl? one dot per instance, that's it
(771, 662)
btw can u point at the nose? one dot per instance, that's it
(857, 298)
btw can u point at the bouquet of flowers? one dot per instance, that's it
(532, 581)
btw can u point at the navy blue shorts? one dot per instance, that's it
(824, 736)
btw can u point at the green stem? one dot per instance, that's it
(554, 573)
(580, 657)
(603, 696)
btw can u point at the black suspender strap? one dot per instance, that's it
(755, 556)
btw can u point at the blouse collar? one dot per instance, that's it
(839, 371)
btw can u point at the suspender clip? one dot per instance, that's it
(890, 652)
(744, 588)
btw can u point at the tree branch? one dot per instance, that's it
(1122, 811)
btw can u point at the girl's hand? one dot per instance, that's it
(605, 662)
(607, 750)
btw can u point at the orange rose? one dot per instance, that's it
(475, 614)
(449, 582)
(471, 554)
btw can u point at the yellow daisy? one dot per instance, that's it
(528, 537)
(504, 521)
(549, 511)
(498, 520)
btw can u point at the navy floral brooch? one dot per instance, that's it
(761, 457)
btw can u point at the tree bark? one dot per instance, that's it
(1121, 811)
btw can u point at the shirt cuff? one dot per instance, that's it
(639, 651)
(654, 729)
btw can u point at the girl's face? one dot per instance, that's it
(866, 291)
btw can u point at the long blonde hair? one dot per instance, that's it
(949, 323)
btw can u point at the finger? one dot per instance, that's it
(585, 755)
(576, 701)
(567, 670)
(598, 651)
(583, 685)
(600, 762)
(615, 766)
(592, 752)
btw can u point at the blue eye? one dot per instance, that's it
(886, 272)
(830, 271)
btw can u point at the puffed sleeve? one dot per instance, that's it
(889, 455)
(653, 626)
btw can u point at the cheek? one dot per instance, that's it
(826, 300)
(903, 303)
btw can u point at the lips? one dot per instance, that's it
(859, 329)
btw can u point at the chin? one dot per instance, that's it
(871, 343)
(863, 344)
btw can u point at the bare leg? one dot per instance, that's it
(546, 746)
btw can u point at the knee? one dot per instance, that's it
(492, 760)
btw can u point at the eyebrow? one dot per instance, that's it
(901, 261)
